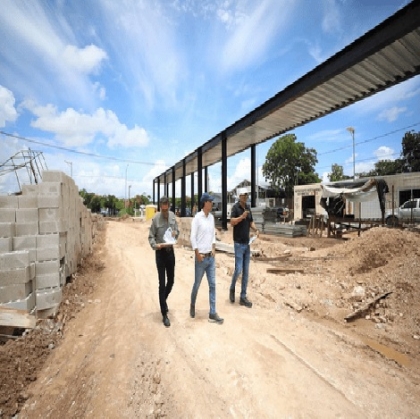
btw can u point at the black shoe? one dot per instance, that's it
(192, 311)
(214, 318)
(232, 296)
(166, 321)
(245, 302)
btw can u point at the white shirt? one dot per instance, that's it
(203, 232)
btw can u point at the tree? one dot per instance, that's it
(289, 163)
(384, 168)
(337, 173)
(410, 154)
(110, 202)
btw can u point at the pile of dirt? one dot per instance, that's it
(344, 277)
(24, 353)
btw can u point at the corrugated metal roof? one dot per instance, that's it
(385, 56)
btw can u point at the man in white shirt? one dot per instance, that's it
(203, 241)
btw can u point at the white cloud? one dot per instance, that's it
(83, 60)
(329, 135)
(389, 98)
(78, 129)
(143, 40)
(55, 67)
(252, 33)
(391, 114)
(331, 21)
(384, 153)
(8, 111)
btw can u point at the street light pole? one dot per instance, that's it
(125, 188)
(351, 131)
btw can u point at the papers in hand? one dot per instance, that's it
(169, 239)
(252, 239)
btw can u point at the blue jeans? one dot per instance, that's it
(242, 257)
(207, 266)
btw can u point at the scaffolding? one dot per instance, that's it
(27, 166)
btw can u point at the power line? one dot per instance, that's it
(74, 151)
(370, 139)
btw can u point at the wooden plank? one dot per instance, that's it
(362, 310)
(284, 270)
(16, 318)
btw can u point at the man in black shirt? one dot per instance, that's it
(241, 220)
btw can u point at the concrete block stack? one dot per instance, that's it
(184, 225)
(44, 234)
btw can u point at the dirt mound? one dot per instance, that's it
(24, 354)
(379, 246)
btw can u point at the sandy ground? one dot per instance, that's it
(292, 355)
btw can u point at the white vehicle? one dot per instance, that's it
(406, 213)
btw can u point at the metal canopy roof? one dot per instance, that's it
(385, 56)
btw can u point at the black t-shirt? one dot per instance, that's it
(241, 230)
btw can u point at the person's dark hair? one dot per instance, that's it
(164, 200)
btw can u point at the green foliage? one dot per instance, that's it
(337, 173)
(410, 155)
(384, 168)
(289, 163)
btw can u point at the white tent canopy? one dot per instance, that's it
(354, 191)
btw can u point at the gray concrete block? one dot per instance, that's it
(47, 201)
(47, 253)
(47, 267)
(15, 292)
(32, 267)
(32, 255)
(48, 240)
(58, 226)
(13, 260)
(27, 215)
(24, 242)
(17, 276)
(27, 201)
(48, 280)
(51, 214)
(7, 229)
(30, 190)
(26, 229)
(8, 201)
(50, 188)
(7, 215)
(48, 313)
(63, 277)
(54, 176)
(27, 304)
(63, 244)
(48, 298)
(6, 244)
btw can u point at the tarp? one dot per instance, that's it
(360, 191)
(355, 191)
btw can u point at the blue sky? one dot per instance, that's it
(116, 92)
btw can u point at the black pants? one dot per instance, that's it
(165, 263)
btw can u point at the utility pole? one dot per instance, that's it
(125, 188)
(351, 131)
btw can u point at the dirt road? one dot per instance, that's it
(117, 360)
